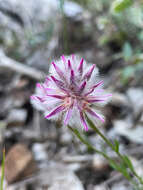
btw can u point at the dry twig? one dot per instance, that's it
(6, 62)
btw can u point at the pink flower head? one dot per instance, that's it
(70, 91)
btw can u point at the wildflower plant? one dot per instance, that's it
(71, 91)
(73, 94)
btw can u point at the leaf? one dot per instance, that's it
(128, 162)
(114, 165)
(120, 168)
(127, 51)
(78, 135)
(121, 5)
(125, 172)
(3, 166)
(89, 146)
(91, 124)
(116, 146)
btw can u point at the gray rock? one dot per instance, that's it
(141, 118)
(16, 117)
(33, 25)
(66, 136)
(123, 127)
(119, 98)
(39, 151)
(135, 96)
(35, 59)
(121, 186)
(58, 177)
(99, 162)
(72, 9)
(99, 187)
(28, 10)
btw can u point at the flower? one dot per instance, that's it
(71, 90)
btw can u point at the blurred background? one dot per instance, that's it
(39, 154)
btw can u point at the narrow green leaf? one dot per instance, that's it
(120, 168)
(89, 146)
(114, 165)
(77, 133)
(128, 162)
(116, 146)
(117, 166)
(2, 175)
(121, 5)
(125, 172)
(91, 124)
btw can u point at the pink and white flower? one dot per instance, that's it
(71, 90)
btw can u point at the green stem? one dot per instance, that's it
(3, 164)
(112, 147)
(76, 132)
(111, 161)
(98, 131)
(133, 171)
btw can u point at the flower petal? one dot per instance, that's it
(82, 87)
(98, 98)
(69, 64)
(47, 80)
(42, 88)
(89, 73)
(72, 77)
(55, 111)
(98, 116)
(93, 88)
(83, 121)
(59, 84)
(33, 97)
(59, 71)
(63, 58)
(95, 100)
(80, 68)
(68, 115)
(56, 96)
(73, 56)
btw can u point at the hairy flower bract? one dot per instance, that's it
(71, 90)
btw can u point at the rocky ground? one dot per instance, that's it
(40, 155)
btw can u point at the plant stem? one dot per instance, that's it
(111, 161)
(3, 166)
(112, 146)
